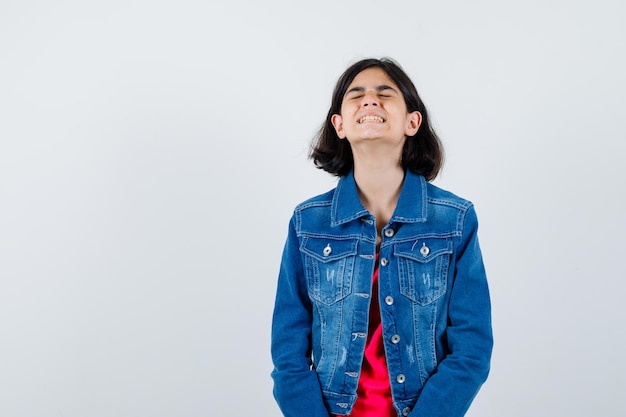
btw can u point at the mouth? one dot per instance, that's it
(371, 119)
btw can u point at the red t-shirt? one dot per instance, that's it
(374, 389)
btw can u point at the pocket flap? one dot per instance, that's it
(423, 250)
(328, 249)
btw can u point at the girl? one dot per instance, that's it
(382, 307)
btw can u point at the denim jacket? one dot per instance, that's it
(434, 303)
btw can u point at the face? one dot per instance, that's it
(373, 108)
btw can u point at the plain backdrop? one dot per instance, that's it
(151, 153)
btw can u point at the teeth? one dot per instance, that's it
(371, 119)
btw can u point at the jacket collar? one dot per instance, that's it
(411, 207)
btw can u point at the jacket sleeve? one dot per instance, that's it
(450, 391)
(296, 386)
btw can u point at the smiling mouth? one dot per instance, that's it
(368, 119)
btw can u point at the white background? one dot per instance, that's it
(151, 153)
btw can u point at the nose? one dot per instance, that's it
(369, 99)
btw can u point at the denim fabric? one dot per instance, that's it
(434, 303)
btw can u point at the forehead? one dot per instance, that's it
(372, 78)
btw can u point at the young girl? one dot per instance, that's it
(382, 307)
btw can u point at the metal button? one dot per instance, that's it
(406, 411)
(384, 261)
(389, 232)
(395, 338)
(327, 250)
(401, 378)
(425, 250)
(389, 300)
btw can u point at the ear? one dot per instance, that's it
(414, 120)
(337, 122)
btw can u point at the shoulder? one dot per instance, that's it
(439, 196)
(447, 207)
(313, 214)
(321, 200)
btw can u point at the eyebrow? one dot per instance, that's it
(378, 89)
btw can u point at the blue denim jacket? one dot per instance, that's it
(434, 303)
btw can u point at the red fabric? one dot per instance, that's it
(374, 389)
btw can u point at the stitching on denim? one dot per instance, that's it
(461, 204)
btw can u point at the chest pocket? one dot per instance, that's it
(423, 268)
(328, 266)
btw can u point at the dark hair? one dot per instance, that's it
(422, 153)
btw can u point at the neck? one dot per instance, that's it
(379, 185)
